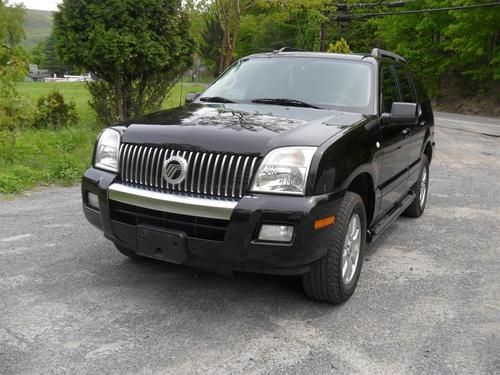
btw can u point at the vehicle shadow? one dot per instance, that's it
(158, 286)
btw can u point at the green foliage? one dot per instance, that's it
(30, 157)
(13, 109)
(11, 24)
(53, 112)
(44, 54)
(459, 46)
(340, 46)
(137, 48)
(44, 156)
(211, 44)
(456, 44)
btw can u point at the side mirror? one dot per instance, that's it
(191, 97)
(401, 113)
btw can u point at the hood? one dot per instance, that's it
(237, 128)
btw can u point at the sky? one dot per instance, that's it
(38, 4)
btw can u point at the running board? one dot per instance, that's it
(392, 215)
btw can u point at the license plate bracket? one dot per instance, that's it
(162, 244)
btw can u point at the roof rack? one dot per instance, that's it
(288, 49)
(377, 52)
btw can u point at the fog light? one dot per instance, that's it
(93, 200)
(276, 233)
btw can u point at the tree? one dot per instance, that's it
(228, 14)
(13, 109)
(136, 49)
(474, 39)
(211, 45)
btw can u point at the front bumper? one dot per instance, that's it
(237, 249)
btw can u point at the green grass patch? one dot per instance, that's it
(29, 157)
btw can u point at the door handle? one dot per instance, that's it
(405, 132)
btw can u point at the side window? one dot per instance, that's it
(390, 92)
(405, 85)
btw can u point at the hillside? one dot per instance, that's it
(37, 26)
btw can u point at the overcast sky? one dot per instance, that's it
(39, 4)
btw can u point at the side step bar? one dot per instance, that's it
(377, 229)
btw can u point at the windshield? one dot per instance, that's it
(320, 82)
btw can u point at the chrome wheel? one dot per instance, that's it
(423, 187)
(352, 245)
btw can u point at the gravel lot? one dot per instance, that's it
(428, 300)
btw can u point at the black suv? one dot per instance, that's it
(287, 164)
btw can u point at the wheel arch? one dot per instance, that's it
(363, 185)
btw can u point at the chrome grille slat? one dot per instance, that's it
(228, 174)
(148, 158)
(211, 173)
(221, 172)
(243, 175)
(194, 170)
(154, 166)
(141, 162)
(207, 173)
(163, 183)
(235, 175)
(186, 180)
(214, 174)
(133, 164)
(124, 163)
(200, 169)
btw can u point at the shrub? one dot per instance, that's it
(53, 113)
(340, 46)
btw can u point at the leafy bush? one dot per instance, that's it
(340, 46)
(53, 113)
(14, 110)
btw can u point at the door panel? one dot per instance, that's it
(394, 148)
(417, 132)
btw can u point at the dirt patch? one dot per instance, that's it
(457, 99)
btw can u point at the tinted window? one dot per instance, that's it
(327, 83)
(405, 85)
(390, 92)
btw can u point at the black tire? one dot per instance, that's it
(128, 253)
(417, 207)
(324, 281)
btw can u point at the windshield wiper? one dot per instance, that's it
(286, 102)
(215, 99)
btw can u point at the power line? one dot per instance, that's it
(392, 4)
(350, 17)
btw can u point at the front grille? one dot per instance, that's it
(225, 175)
(193, 226)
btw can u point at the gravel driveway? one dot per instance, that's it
(428, 301)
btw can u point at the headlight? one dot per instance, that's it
(106, 153)
(284, 170)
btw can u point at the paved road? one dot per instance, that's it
(428, 301)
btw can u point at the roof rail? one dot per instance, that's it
(288, 49)
(377, 52)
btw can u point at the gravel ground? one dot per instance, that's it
(428, 300)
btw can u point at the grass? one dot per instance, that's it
(30, 157)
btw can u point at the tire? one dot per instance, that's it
(325, 281)
(128, 253)
(421, 189)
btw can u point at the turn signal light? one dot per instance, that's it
(325, 222)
